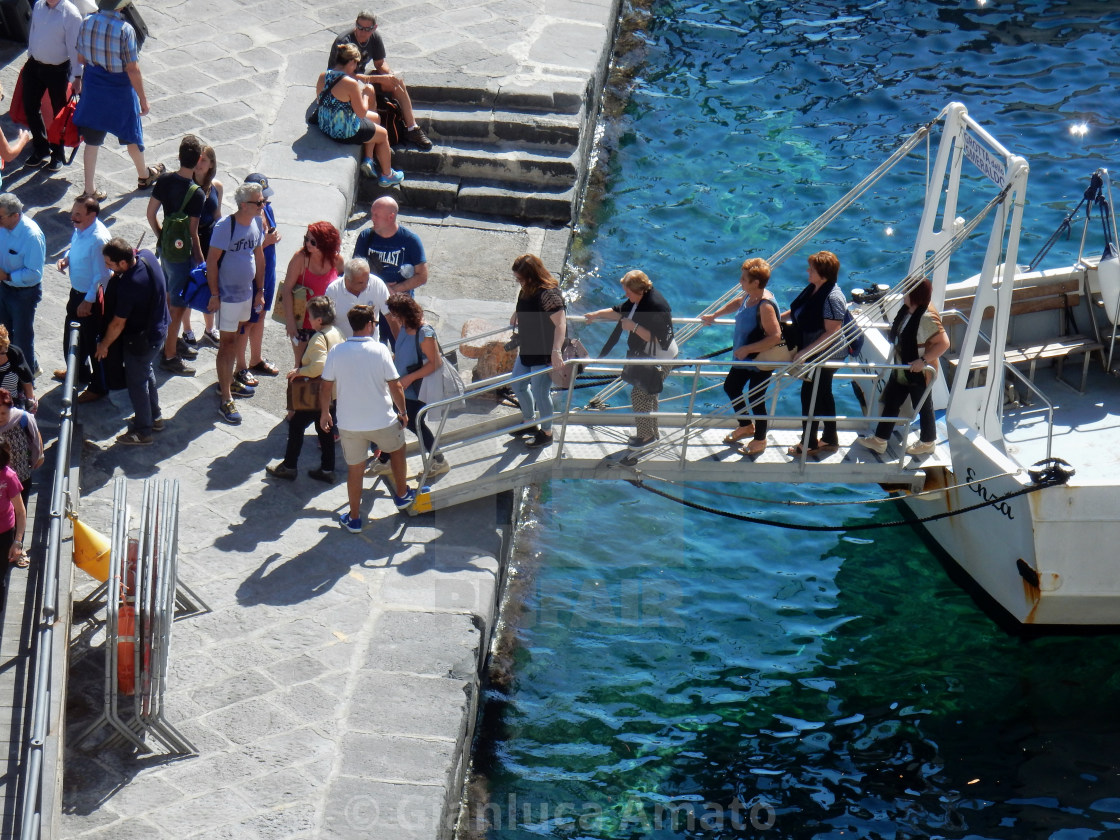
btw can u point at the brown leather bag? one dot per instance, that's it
(303, 393)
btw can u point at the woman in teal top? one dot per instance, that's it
(348, 114)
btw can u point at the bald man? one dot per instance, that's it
(394, 253)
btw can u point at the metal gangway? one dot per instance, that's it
(590, 442)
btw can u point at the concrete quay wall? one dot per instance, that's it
(333, 688)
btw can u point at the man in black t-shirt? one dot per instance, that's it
(170, 193)
(136, 306)
(364, 36)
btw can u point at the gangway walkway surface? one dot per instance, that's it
(488, 457)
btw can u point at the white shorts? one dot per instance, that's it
(232, 315)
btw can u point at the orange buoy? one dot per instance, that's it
(91, 551)
(126, 650)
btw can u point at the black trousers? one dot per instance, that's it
(895, 394)
(38, 78)
(825, 406)
(88, 373)
(739, 379)
(296, 428)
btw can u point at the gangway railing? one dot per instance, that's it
(43, 646)
(683, 429)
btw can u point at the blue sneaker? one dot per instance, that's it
(405, 502)
(367, 168)
(229, 413)
(240, 389)
(394, 177)
(353, 525)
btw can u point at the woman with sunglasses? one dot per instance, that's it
(314, 266)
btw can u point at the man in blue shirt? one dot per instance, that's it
(22, 252)
(394, 253)
(88, 275)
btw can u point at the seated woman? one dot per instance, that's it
(756, 329)
(919, 340)
(326, 335)
(347, 113)
(818, 313)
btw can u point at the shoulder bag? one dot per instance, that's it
(300, 294)
(572, 348)
(780, 352)
(444, 383)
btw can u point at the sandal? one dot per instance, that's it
(100, 195)
(822, 449)
(245, 378)
(265, 368)
(794, 450)
(739, 433)
(153, 173)
(754, 448)
(23, 562)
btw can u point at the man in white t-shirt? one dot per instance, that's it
(235, 272)
(357, 286)
(370, 407)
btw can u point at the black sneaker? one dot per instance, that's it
(37, 159)
(325, 476)
(417, 137)
(55, 165)
(185, 350)
(175, 365)
(281, 470)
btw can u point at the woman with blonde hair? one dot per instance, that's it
(647, 317)
(541, 325)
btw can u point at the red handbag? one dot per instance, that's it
(62, 131)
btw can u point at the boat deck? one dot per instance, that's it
(1082, 424)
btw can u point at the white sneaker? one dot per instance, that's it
(439, 468)
(376, 467)
(922, 448)
(875, 444)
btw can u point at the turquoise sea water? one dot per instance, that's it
(678, 674)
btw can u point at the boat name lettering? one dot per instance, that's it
(991, 165)
(985, 494)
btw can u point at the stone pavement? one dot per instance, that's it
(332, 689)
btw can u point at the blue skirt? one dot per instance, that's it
(109, 103)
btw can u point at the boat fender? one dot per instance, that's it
(1108, 276)
(1051, 472)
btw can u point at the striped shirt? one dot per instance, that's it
(109, 41)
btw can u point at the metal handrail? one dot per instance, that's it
(679, 368)
(1018, 375)
(43, 640)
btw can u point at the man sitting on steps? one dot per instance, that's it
(364, 36)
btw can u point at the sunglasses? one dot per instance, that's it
(366, 28)
(307, 240)
(258, 203)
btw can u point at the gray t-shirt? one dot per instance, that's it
(235, 275)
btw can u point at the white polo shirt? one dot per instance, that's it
(361, 369)
(375, 294)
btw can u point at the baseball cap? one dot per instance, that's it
(112, 5)
(258, 178)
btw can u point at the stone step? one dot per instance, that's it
(558, 95)
(451, 123)
(448, 194)
(504, 163)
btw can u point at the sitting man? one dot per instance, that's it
(364, 36)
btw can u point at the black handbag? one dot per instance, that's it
(650, 378)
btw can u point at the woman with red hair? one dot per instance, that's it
(314, 266)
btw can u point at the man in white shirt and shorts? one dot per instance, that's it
(370, 407)
(235, 273)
